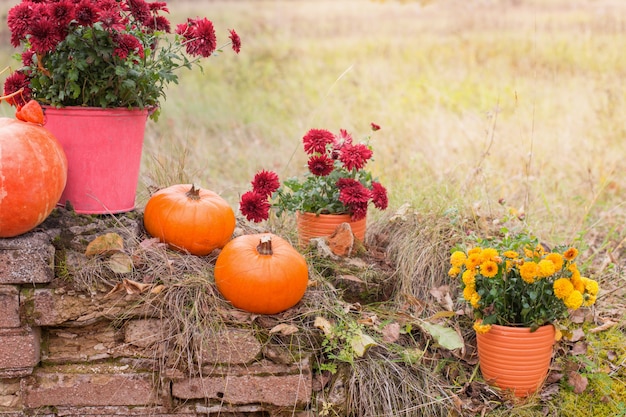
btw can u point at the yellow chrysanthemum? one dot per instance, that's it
(489, 254)
(528, 253)
(574, 300)
(474, 301)
(529, 271)
(481, 328)
(468, 292)
(589, 300)
(476, 249)
(573, 268)
(578, 283)
(556, 259)
(489, 269)
(591, 286)
(469, 277)
(562, 288)
(473, 260)
(454, 271)
(457, 259)
(570, 254)
(511, 254)
(546, 268)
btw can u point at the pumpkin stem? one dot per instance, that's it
(193, 193)
(265, 245)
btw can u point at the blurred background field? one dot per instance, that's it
(479, 102)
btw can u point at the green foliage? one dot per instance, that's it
(515, 280)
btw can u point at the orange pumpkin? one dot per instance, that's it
(33, 172)
(189, 219)
(261, 273)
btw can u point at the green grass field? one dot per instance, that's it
(492, 109)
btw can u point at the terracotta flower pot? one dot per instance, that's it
(311, 226)
(514, 358)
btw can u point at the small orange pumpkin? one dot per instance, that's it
(189, 219)
(33, 172)
(261, 273)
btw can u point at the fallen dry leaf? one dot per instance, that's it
(605, 326)
(284, 329)
(323, 324)
(104, 245)
(391, 332)
(578, 382)
(442, 295)
(579, 348)
(120, 263)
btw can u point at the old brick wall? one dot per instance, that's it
(68, 353)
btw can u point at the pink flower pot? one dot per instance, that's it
(103, 148)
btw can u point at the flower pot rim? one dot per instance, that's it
(48, 107)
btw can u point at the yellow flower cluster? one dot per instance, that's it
(534, 265)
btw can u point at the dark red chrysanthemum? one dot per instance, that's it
(265, 183)
(44, 35)
(320, 165)
(254, 206)
(354, 194)
(199, 36)
(346, 182)
(19, 20)
(375, 127)
(354, 156)
(13, 83)
(27, 58)
(62, 12)
(111, 20)
(235, 39)
(140, 10)
(127, 44)
(158, 6)
(358, 211)
(316, 140)
(161, 23)
(86, 13)
(379, 196)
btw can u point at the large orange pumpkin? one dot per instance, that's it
(33, 172)
(261, 273)
(189, 219)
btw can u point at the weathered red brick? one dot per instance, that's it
(233, 346)
(26, 259)
(250, 384)
(19, 351)
(86, 386)
(143, 333)
(9, 306)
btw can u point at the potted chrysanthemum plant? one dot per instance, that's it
(518, 289)
(335, 188)
(100, 68)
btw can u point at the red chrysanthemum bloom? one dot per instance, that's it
(254, 206)
(44, 35)
(265, 183)
(199, 36)
(19, 19)
(358, 211)
(379, 196)
(320, 165)
(140, 10)
(12, 84)
(111, 20)
(345, 136)
(161, 23)
(354, 194)
(86, 13)
(316, 140)
(235, 39)
(375, 127)
(27, 58)
(62, 12)
(158, 6)
(354, 156)
(127, 44)
(346, 182)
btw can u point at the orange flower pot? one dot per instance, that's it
(311, 226)
(514, 358)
